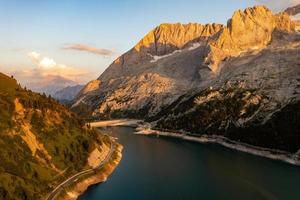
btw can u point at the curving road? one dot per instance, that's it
(75, 177)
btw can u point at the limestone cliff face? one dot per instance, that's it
(169, 37)
(162, 40)
(140, 75)
(246, 30)
(174, 59)
(90, 87)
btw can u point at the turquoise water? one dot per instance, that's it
(164, 168)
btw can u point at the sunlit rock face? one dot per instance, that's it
(297, 25)
(159, 68)
(175, 59)
(163, 40)
(246, 30)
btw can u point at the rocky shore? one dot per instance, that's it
(273, 154)
(75, 190)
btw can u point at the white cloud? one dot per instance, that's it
(47, 63)
(46, 73)
(278, 5)
(34, 55)
(45, 66)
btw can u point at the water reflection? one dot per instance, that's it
(161, 168)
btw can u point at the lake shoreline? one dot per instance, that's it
(75, 191)
(116, 122)
(143, 128)
(272, 154)
(165, 163)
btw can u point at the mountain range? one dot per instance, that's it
(68, 93)
(237, 80)
(50, 84)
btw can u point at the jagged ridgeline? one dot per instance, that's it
(175, 58)
(41, 142)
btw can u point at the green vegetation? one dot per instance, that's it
(211, 111)
(235, 113)
(41, 142)
(83, 111)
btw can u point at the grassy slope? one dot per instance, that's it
(27, 176)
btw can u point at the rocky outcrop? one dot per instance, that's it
(283, 22)
(90, 87)
(100, 176)
(246, 30)
(162, 40)
(146, 74)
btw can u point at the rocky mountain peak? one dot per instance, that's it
(166, 38)
(162, 40)
(246, 30)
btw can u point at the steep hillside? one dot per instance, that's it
(41, 142)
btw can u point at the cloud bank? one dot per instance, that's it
(45, 66)
(86, 48)
(278, 5)
(48, 76)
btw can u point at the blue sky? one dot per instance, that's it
(48, 26)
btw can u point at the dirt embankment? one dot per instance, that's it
(74, 191)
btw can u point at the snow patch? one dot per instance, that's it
(192, 47)
(195, 46)
(156, 58)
